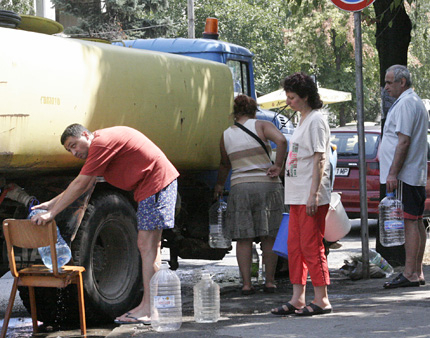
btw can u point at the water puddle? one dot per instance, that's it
(23, 328)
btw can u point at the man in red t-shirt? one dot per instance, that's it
(128, 160)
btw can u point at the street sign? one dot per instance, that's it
(352, 5)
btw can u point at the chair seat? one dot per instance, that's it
(41, 276)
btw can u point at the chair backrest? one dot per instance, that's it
(24, 234)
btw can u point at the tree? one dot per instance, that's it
(113, 19)
(18, 6)
(285, 39)
(419, 57)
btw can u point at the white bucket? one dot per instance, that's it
(337, 224)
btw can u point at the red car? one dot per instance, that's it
(347, 177)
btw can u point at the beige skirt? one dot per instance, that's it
(254, 210)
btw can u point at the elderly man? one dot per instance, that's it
(127, 159)
(403, 161)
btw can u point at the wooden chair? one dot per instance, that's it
(24, 234)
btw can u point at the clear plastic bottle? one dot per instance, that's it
(206, 300)
(391, 222)
(166, 303)
(216, 221)
(255, 264)
(64, 253)
(378, 260)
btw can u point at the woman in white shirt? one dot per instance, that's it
(307, 191)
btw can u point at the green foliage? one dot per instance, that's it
(419, 57)
(112, 19)
(18, 6)
(288, 36)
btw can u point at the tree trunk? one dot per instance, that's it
(392, 43)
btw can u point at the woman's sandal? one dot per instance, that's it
(280, 311)
(316, 310)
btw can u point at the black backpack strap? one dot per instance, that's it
(246, 130)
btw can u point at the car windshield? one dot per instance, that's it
(347, 144)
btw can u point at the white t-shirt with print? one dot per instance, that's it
(310, 137)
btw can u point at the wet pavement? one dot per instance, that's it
(361, 308)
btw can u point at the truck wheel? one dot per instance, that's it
(106, 245)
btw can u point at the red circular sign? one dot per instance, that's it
(352, 5)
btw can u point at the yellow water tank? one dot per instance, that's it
(48, 82)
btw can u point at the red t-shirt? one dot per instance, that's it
(127, 159)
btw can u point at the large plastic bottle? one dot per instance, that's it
(216, 221)
(391, 222)
(166, 303)
(378, 260)
(206, 300)
(255, 264)
(64, 253)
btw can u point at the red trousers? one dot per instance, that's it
(305, 246)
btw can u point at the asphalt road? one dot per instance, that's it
(361, 308)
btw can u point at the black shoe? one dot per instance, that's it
(400, 282)
(422, 282)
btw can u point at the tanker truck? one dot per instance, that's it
(181, 103)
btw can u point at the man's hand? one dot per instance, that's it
(43, 206)
(42, 218)
(391, 183)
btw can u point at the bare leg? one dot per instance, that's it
(320, 298)
(269, 259)
(421, 251)
(412, 249)
(149, 243)
(243, 256)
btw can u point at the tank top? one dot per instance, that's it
(248, 159)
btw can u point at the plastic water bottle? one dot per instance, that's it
(216, 220)
(378, 260)
(391, 222)
(166, 303)
(206, 300)
(64, 253)
(255, 264)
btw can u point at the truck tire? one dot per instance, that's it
(106, 245)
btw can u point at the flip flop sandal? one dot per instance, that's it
(316, 311)
(269, 289)
(280, 311)
(247, 292)
(134, 321)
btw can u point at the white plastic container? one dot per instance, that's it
(255, 264)
(391, 222)
(166, 302)
(337, 224)
(64, 254)
(217, 239)
(378, 260)
(206, 300)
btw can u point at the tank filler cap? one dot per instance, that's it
(211, 29)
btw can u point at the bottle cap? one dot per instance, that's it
(390, 194)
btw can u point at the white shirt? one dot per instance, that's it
(310, 137)
(408, 116)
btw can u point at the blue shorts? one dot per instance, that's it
(157, 212)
